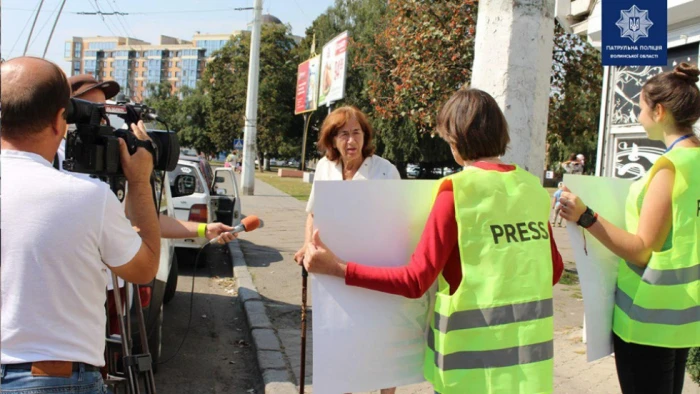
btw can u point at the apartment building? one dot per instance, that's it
(135, 64)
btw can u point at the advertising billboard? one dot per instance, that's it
(333, 70)
(307, 86)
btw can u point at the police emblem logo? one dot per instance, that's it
(634, 23)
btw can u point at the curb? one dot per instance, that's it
(277, 377)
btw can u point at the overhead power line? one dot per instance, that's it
(121, 13)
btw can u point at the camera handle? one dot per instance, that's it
(134, 143)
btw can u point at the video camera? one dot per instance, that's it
(93, 146)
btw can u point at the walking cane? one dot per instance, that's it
(304, 276)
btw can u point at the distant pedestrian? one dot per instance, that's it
(556, 205)
(231, 159)
(573, 165)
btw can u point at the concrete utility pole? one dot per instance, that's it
(513, 63)
(251, 106)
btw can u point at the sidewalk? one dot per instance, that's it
(269, 254)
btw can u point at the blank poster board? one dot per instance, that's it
(597, 269)
(367, 340)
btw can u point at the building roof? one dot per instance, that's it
(267, 18)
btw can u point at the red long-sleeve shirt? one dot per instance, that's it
(437, 251)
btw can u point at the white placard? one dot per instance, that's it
(596, 265)
(367, 340)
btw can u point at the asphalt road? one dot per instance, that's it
(217, 355)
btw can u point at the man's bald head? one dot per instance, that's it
(34, 91)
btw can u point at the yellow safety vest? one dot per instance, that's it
(495, 333)
(660, 305)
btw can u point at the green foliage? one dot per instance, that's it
(574, 105)
(422, 55)
(185, 113)
(225, 83)
(693, 364)
(405, 59)
(361, 19)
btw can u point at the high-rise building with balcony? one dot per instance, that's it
(136, 64)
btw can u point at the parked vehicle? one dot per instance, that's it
(215, 198)
(162, 288)
(413, 170)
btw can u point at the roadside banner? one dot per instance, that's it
(333, 70)
(307, 86)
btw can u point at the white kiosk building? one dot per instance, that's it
(623, 149)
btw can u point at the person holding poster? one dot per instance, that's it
(489, 245)
(657, 301)
(346, 140)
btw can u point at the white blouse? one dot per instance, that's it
(373, 168)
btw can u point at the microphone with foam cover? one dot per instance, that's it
(248, 224)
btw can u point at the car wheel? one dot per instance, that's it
(171, 285)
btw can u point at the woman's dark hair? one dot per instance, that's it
(572, 157)
(473, 122)
(332, 125)
(677, 92)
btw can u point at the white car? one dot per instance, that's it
(215, 197)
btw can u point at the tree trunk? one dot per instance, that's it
(401, 166)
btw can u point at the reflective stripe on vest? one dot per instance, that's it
(495, 333)
(507, 357)
(666, 277)
(659, 305)
(494, 316)
(672, 317)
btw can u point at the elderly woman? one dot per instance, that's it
(346, 139)
(657, 302)
(488, 243)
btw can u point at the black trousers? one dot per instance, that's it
(643, 369)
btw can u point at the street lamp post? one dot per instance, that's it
(251, 110)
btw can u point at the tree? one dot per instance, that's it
(195, 108)
(225, 82)
(361, 19)
(186, 113)
(574, 106)
(422, 55)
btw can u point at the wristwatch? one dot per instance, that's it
(588, 218)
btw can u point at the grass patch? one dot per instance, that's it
(568, 278)
(577, 295)
(295, 187)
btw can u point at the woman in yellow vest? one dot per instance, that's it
(488, 244)
(657, 302)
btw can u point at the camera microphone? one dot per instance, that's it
(248, 224)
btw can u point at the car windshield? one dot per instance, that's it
(186, 170)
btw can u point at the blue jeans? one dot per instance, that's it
(20, 381)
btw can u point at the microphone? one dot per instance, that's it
(248, 224)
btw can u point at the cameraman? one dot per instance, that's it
(87, 88)
(61, 233)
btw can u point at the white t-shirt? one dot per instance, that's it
(58, 232)
(61, 154)
(372, 168)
